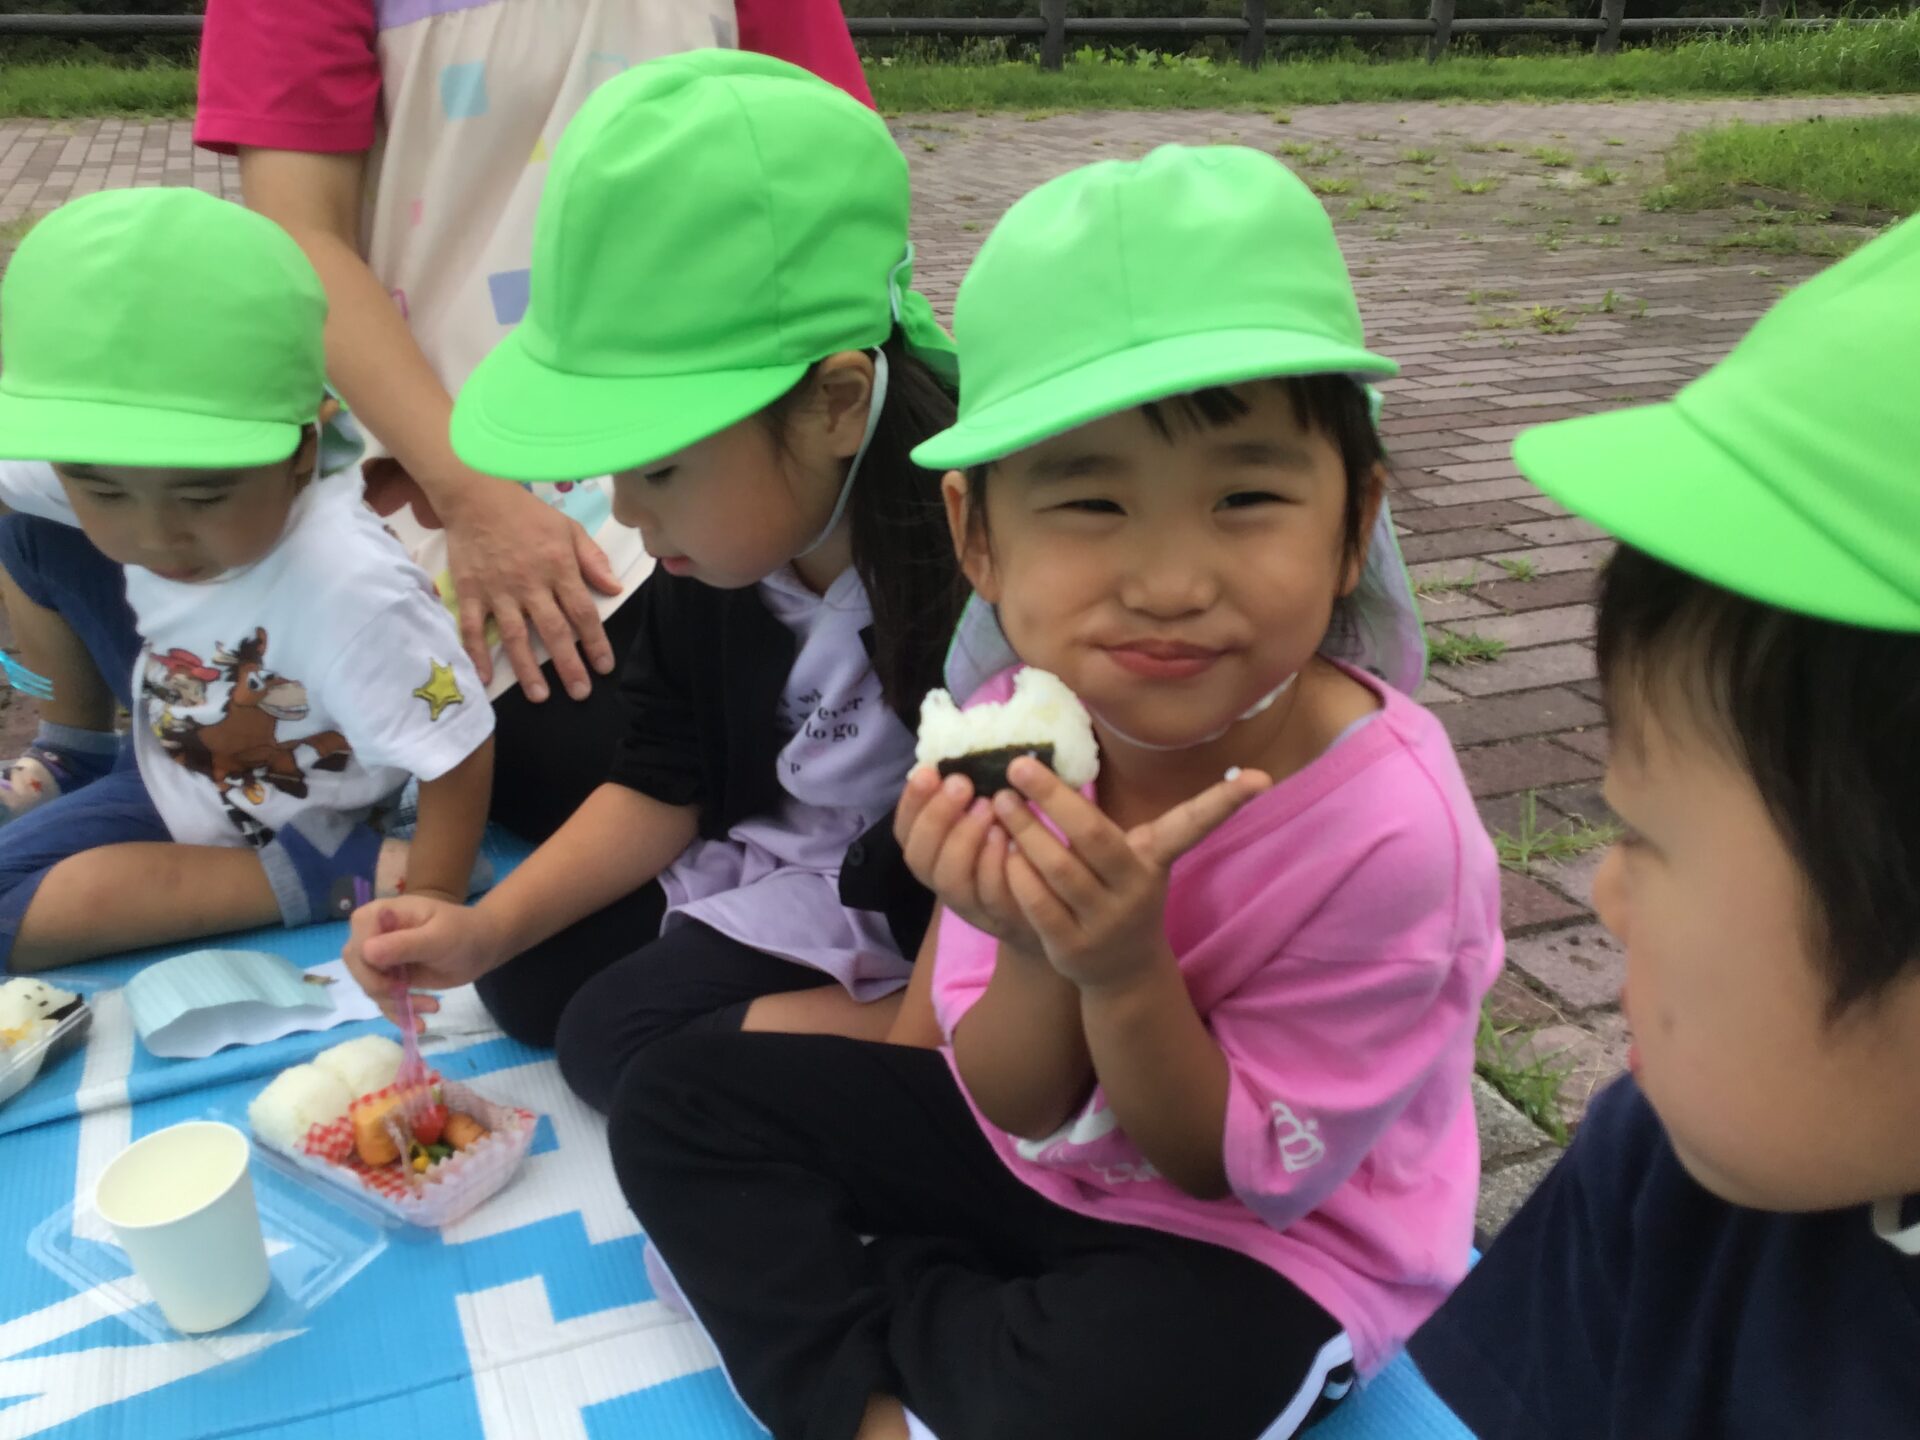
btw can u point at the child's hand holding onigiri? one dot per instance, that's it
(945, 821)
(1090, 903)
(1095, 895)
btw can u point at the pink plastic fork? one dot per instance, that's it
(413, 1074)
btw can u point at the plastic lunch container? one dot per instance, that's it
(20, 1063)
(324, 1215)
(452, 1189)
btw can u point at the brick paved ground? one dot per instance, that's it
(1550, 293)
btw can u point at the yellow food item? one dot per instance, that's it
(370, 1136)
(420, 1162)
(462, 1130)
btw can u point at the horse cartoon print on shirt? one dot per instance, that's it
(242, 749)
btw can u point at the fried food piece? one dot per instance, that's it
(370, 1137)
(463, 1130)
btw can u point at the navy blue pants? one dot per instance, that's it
(57, 568)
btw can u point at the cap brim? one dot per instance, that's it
(523, 420)
(1133, 377)
(96, 432)
(1653, 478)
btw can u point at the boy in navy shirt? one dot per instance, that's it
(1732, 1245)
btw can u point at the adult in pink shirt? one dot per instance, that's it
(404, 144)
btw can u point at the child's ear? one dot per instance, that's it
(304, 456)
(844, 390)
(969, 533)
(1369, 515)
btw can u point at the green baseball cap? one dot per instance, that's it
(715, 223)
(1786, 473)
(159, 327)
(1132, 280)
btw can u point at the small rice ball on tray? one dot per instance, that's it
(297, 1100)
(363, 1065)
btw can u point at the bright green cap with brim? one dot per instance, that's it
(159, 327)
(1131, 281)
(715, 223)
(1787, 473)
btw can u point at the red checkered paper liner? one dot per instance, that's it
(447, 1192)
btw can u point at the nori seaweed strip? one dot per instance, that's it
(987, 769)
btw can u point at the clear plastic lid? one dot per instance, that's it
(20, 1063)
(317, 1241)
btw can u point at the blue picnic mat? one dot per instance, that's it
(532, 1318)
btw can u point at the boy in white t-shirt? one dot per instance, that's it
(163, 350)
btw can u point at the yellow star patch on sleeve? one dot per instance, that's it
(440, 691)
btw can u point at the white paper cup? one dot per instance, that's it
(181, 1205)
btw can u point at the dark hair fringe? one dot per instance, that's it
(901, 545)
(1824, 717)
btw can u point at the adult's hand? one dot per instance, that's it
(526, 567)
(514, 560)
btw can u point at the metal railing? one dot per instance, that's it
(1052, 27)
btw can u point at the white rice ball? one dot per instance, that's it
(25, 1001)
(1041, 711)
(296, 1101)
(364, 1065)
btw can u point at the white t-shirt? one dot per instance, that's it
(323, 675)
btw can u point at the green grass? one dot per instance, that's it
(1869, 164)
(1373, 200)
(1329, 184)
(1446, 648)
(1600, 174)
(1789, 240)
(1550, 319)
(1479, 185)
(1606, 219)
(1521, 569)
(1848, 59)
(1448, 584)
(61, 92)
(1482, 297)
(1294, 148)
(1419, 157)
(1555, 844)
(1531, 1087)
(1552, 156)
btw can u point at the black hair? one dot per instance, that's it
(901, 545)
(1824, 717)
(1333, 405)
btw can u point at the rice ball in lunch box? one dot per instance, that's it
(29, 1008)
(364, 1065)
(1042, 718)
(297, 1100)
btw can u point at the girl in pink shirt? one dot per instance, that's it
(1198, 1142)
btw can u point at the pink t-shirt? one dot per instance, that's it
(305, 74)
(1337, 936)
